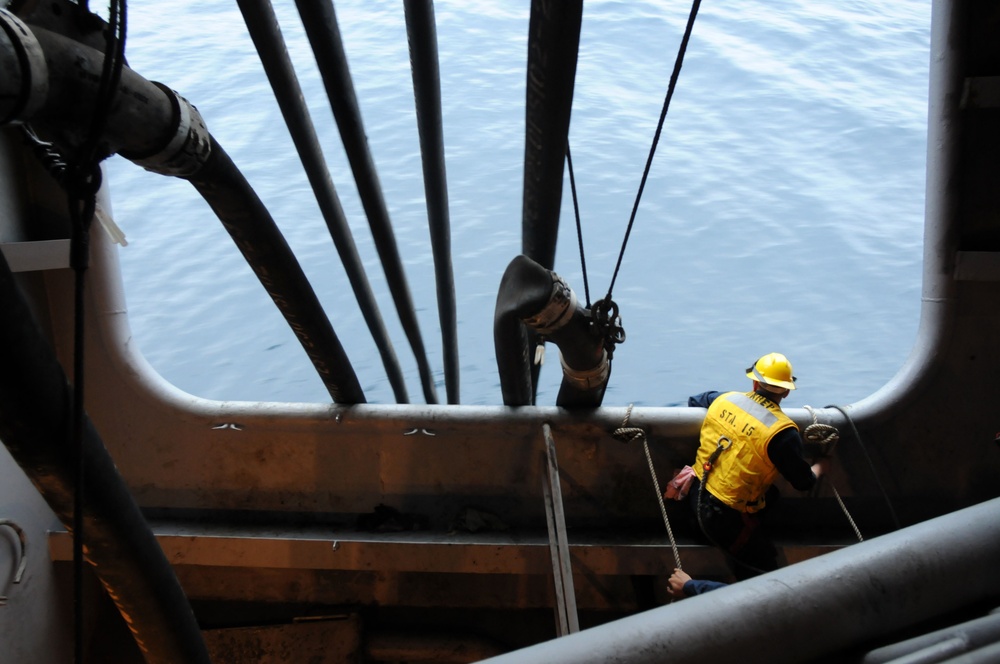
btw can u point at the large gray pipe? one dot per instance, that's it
(951, 641)
(812, 609)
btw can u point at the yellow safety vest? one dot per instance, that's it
(742, 474)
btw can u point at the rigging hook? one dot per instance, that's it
(607, 324)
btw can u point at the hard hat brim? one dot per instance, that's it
(752, 374)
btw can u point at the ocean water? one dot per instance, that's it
(783, 212)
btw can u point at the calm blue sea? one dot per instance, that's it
(783, 212)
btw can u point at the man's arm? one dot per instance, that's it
(701, 586)
(704, 400)
(680, 584)
(785, 452)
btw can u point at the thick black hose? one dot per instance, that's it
(256, 235)
(553, 43)
(263, 27)
(526, 291)
(422, 36)
(140, 122)
(35, 421)
(320, 23)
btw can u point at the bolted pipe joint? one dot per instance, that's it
(51, 81)
(187, 149)
(587, 379)
(584, 360)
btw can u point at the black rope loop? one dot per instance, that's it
(84, 180)
(82, 185)
(618, 334)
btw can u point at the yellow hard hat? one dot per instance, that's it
(773, 369)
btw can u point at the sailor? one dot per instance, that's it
(746, 441)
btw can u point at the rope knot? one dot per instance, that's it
(627, 434)
(824, 435)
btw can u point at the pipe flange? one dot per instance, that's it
(588, 378)
(557, 312)
(189, 147)
(27, 84)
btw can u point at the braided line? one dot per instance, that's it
(628, 434)
(847, 514)
(828, 435)
(824, 434)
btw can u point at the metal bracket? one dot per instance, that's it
(562, 569)
(24, 553)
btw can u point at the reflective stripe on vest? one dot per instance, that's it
(742, 474)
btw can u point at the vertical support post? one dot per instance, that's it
(562, 569)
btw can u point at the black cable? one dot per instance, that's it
(579, 227)
(678, 63)
(79, 250)
(82, 186)
(114, 60)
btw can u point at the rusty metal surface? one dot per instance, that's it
(313, 642)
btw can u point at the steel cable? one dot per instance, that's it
(678, 63)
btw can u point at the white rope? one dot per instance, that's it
(627, 434)
(847, 514)
(824, 434)
(827, 435)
